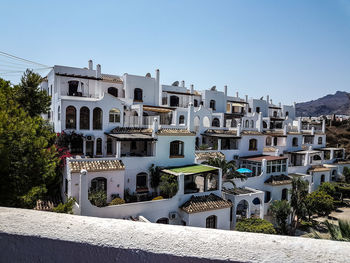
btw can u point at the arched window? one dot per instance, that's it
(319, 140)
(206, 122)
(233, 123)
(84, 118)
(251, 124)
(253, 145)
(99, 146)
(59, 113)
(99, 184)
(114, 115)
(317, 158)
(212, 104)
(257, 109)
(174, 101)
(210, 222)
(268, 141)
(322, 178)
(275, 141)
(97, 119)
(163, 220)
(284, 194)
(196, 121)
(275, 114)
(177, 149)
(73, 87)
(137, 94)
(71, 117)
(113, 91)
(141, 182)
(109, 146)
(287, 113)
(264, 125)
(295, 142)
(247, 124)
(215, 122)
(256, 201)
(182, 119)
(195, 103)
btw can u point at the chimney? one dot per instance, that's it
(191, 97)
(158, 89)
(324, 126)
(285, 129)
(246, 98)
(267, 99)
(259, 123)
(279, 104)
(271, 101)
(98, 71)
(299, 124)
(90, 64)
(191, 89)
(237, 94)
(155, 127)
(239, 130)
(183, 83)
(313, 130)
(225, 90)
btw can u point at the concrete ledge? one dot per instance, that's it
(33, 236)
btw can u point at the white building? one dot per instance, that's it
(121, 128)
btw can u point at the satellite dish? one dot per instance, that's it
(213, 88)
(176, 83)
(148, 75)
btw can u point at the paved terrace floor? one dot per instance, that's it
(33, 236)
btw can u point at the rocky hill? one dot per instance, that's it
(338, 103)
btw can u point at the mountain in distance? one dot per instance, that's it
(338, 103)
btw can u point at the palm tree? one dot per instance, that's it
(340, 232)
(228, 169)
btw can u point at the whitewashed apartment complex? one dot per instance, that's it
(131, 123)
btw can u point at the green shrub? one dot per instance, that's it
(66, 208)
(255, 225)
(168, 185)
(36, 193)
(98, 198)
(319, 202)
(117, 201)
(203, 147)
(328, 188)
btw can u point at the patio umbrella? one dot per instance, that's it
(244, 171)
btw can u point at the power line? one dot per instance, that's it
(21, 59)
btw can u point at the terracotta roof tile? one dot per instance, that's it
(175, 132)
(95, 165)
(209, 155)
(204, 203)
(125, 130)
(279, 180)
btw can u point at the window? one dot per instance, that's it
(287, 113)
(99, 184)
(73, 88)
(97, 119)
(308, 139)
(253, 144)
(247, 124)
(133, 145)
(275, 141)
(176, 149)
(268, 141)
(251, 124)
(264, 125)
(284, 194)
(267, 196)
(59, 113)
(163, 220)
(257, 109)
(109, 146)
(212, 104)
(215, 122)
(211, 222)
(322, 178)
(195, 103)
(114, 115)
(99, 146)
(174, 101)
(137, 94)
(319, 140)
(275, 114)
(295, 142)
(141, 181)
(182, 119)
(71, 114)
(84, 118)
(113, 91)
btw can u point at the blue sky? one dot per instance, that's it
(291, 50)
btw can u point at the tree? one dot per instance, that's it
(340, 232)
(280, 210)
(255, 225)
(28, 158)
(168, 185)
(228, 168)
(28, 94)
(328, 188)
(299, 192)
(346, 173)
(155, 176)
(319, 202)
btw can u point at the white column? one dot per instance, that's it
(94, 147)
(219, 144)
(118, 152)
(84, 147)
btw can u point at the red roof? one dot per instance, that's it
(261, 157)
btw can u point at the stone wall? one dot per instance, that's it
(32, 236)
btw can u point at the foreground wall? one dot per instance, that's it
(32, 236)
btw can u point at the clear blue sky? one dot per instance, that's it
(292, 50)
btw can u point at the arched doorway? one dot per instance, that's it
(242, 210)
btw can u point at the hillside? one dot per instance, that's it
(338, 103)
(338, 135)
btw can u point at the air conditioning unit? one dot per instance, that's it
(172, 215)
(89, 138)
